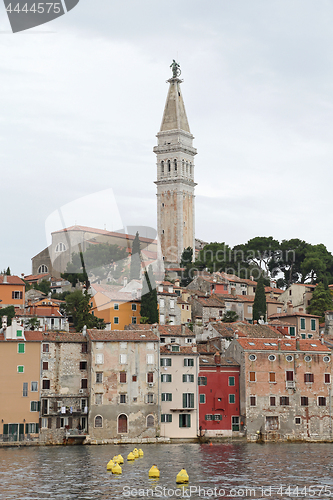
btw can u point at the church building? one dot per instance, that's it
(175, 176)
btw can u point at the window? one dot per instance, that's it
(307, 358)
(252, 357)
(162, 319)
(235, 423)
(185, 420)
(134, 378)
(45, 365)
(133, 307)
(166, 377)
(326, 359)
(20, 369)
(172, 340)
(208, 416)
(321, 401)
(83, 365)
(166, 418)
(202, 398)
(188, 362)
(271, 376)
(21, 348)
(188, 377)
(165, 361)
(150, 377)
(42, 269)
(99, 359)
(327, 378)
(150, 421)
(150, 359)
(271, 357)
(116, 307)
(162, 340)
(46, 348)
(175, 348)
(19, 333)
(122, 398)
(253, 401)
(202, 380)
(84, 383)
(162, 303)
(116, 320)
(84, 407)
(61, 247)
(304, 401)
(17, 295)
(99, 377)
(249, 309)
(133, 320)
(34, 405)
(25, 389)
(231, 381)
(166, 396)
(302, 323)
(188, 341)
(84, 348)
(284, 401)
(313, 325)
(289, 358)
(31, 428)
(297, 420)
(98, 421)
(45, 384)
(150, 398)
(44, 423)
(271, 423)
(123, 359)
(272, 401)
(98, 399)
(308, 377)
(252, 376)
(188, 400)
(231, 398)
(292, 331)
(123, 377)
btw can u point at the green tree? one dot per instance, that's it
(149, 297)
(78, 307)
(259, 304)
(317, 264)
(186, 264)
(230, 317)
(8, 271)
(135, 269)
(44, 286)
(8, 311)
(321, 301)
(32, 324)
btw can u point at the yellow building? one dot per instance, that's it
(117, 308)
(19, 383)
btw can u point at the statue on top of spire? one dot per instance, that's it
(176, 72)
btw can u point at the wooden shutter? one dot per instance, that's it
(58, 423)
(184, 400)
(70, 422)
(191, 400)
(21, 429)
(5, 429)
(49, 423)
(26, 428)
(40, 423)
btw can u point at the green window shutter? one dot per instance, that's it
(231, 381)
(202, 398)
(26, 429)
(303, 335)
(292, 331)
(188, 420)
(184, 377)
(302, 323)
(21, 348)
(5, 429)
(38, 406)
(37, 428)
(192, 401)
(231, 398)
(313, 324)
(184, 400)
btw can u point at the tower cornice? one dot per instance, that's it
(174, 148)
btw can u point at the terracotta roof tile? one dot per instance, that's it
(59, 336)
(183, 349)
(174, 331)
(272, 344)
(122, 335)
(11, 280)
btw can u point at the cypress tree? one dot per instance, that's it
(149, 308)
(135, 269)
(259, 304)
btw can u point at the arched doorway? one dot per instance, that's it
(122, 424)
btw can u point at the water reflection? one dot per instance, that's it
(79, 473)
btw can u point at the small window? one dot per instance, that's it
(166, 418)
(184, 420)
(165, 361)
(21, 348)
(232, 398)
(188, 377)
(123, 377)
(284, 401)
(175, 348)
(252, 357)
(166, 396)
(188, 362)
(327, 378)
(289, 358)
(202, 398)
(302, 323)
(298, 420)
(84, 383)
(292, 331)
(99, 377)
(150, 377)
(116, 320)
(20, 369)
(208, 416)
(45, 365)
(134, 378)
(98, 399)
(116, 307)
(308, 377)
(34, 386)
(84, 347)
(202, 380)
(304, 401)
(122, 398)
(252, 376)
(19, 333)
(99, 359)
(271, 357)
(34, 406)
(42, 269)
(271, 376)
(272, 401)
(150, 398)
(307, 358)
(98, 421)
(45, 384)
(217, 416)
(321, 401)
(166, 377)
(326, 359)
(150, 359)
(83, 365)
(313, 325)
(25, 389)
(134, 320)
(46, 348)
(231, 381)
(134, 306)
(253, 401)
(123, 359)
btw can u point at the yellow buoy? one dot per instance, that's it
(110, 465)
(182, 477)
(136, 453)
(120, 459)
(130, 456)
(115, 459)
(116, 469)
(140, 453)
(154, 472)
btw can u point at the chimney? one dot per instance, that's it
(290, 308)
(322, 340)
(4, 278)
(251, 278)
(217, 358)
(183, 329)
(271, 294)
(298, 345)
(279, 345)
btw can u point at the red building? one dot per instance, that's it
(218, 381)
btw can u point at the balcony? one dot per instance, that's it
(290, 384)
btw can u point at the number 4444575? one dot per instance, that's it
(36, 8)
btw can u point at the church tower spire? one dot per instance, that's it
(175, 175)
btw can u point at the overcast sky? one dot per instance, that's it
(82, 99)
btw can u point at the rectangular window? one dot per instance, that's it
(20, 369)
(172, 304)
(134, 378)
(84, 348)
(302, 323)
(98, 399)
(321, 401)
(188, 377)
(116, 320)
(133, 307)
(21, 348)
(34, 386)
(231, 398)
(45, 365)
(272, 401)
(166, 377)
(25, 389)
(34, 405)
(231, 381)
(17, 295)
(284, 401)
(175, 348)
(308, 377)
(83, 365)
(304, 401)
(133, 320)
(313, 325)
(84, 383)
(289, 375)
(99, 359)
(150, 377)
(217, 416)
(252, 376)
(19, 333)
(202, 398)
(46, 348)
(188, 362)
(45, 384)
(184, 420)
(272, 377)
(116, 307)
(150, 359)
(99, 377)
(208, 416)
(188, 400)
(166, 417)
(253, 401)
(292, 331)
(165, 361)
(166, 396)
(235, 423)
(327, 378)
(202, 380)
(150, 398)
(44, 423)
(123, 377)
(123, 359)
(297, 420)
(122, 398)
(31, 428)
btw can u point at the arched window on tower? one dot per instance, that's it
(190, 169)
(175, 164)
(187, 168)
(162, 167)
(169, 166)
(183, 167)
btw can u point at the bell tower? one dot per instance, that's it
(175, 175)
